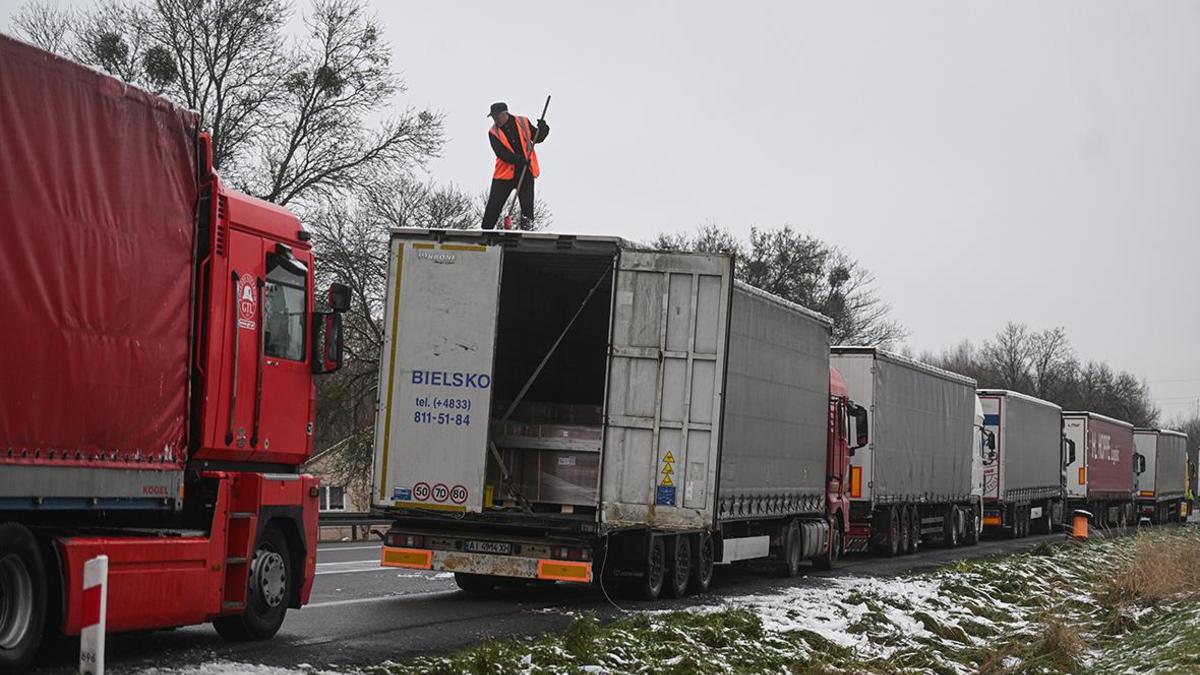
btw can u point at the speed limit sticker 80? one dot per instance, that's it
(439, 493)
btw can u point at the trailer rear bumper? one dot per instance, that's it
(486, 563)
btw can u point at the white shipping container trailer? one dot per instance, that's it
(913, 480)
(555, 406)
(1024, 475)
(1160, 473)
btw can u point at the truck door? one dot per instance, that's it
(287, 389)
(435, 383)
(268, 391)
(665, 386)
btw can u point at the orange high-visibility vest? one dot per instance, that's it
(505, 170)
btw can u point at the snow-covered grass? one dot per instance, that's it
(1061, 608)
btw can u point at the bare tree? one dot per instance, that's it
(45, 24)
(1051, 361)
(289, 125)
(801, 268)
(1007, 356)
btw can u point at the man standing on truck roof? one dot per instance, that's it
(513, 138)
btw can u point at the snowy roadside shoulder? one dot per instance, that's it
(1107, 607)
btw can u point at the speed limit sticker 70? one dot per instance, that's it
(440, 492)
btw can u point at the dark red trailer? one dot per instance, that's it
(156, 368)
(1100, 477)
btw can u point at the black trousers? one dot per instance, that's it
(501, 189)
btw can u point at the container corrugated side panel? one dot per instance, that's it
(857, 371)
(776, 410)
(924, 426)
(664, 396)
(1032, 448)
(1172, 464)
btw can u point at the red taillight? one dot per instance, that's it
(405, 540)
(565, 553)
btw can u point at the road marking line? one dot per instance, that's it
(363, 570)
(385, 598)
(350, 548)
(349, 562)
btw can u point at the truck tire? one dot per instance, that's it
(704, 562)
(654, 572)
(889, 529)
(790, 551)
(950, 527)
(914, 527)
(268, 587)
(974, 528)
(828, 560)
(905, 531)
(1013, 531)
(679, 573)
(22, 598)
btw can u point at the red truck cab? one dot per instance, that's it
(156, 372)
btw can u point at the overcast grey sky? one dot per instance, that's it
(1032, 161)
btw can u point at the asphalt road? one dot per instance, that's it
(362, 614)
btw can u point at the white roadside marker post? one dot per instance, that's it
(95, 609)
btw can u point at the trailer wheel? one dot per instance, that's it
(654, 572)
(829, 559)
(676, 585)
(950, 527)
(268, 586)
(22, 598)
(914, 537)
(790, 550)
(974, 526)
(705, 559)
(905, 531)
(889, 522)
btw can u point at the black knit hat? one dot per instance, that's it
(498, 108)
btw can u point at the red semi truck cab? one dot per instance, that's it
(156, 371)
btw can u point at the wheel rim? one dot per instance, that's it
(683, 563)
(268, 578)
(16, 601)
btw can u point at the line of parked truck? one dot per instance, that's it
(551, 407)
(577, 408)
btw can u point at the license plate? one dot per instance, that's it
(497, 547)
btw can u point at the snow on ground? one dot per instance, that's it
(224, 668)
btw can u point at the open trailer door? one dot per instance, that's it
(435, 394)
(665, 382)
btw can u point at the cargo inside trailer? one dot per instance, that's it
(550, 442)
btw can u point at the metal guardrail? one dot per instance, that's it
(363, 523)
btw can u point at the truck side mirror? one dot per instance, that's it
(1070, 450)
(991, 439)
(1139, 464)
(326, 342)
(862, 432)
(338, 297)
